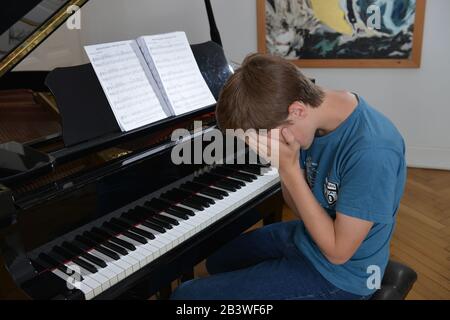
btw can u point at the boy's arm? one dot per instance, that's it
(337, 239)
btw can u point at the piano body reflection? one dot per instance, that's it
(105, 208)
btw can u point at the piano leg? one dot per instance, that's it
(272, 209)
(164, 293)
(188, 275)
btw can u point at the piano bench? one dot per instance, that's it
(397, 282)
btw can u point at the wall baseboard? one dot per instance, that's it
(428, 158)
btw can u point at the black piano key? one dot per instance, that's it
(149, 218)
(101, 249)
(120, 242)
(214, 193)
(226, 186)
(180, 210)
(107, 244)
(170, 208)
(186, 211)
(226, 173)
(114, 247)
(204, 199)
(235, 182)
(86, 265)
(248, 170)
(179, 196)
(143, 233)
(123, 231)
(135, 237)
(177, 214)
(108, 252)
(69, 256)
(144, 222)
(246, 176)
(147, 221)
(238, 183)
(198, 198)
(211, 192)
(234, 174)
(156, 225)
(214, 181)
(163, 218)
(193, 204)
(255, 170)
(217, 193)
(132, 228)
(70, 247)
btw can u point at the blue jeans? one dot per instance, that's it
(263, 264)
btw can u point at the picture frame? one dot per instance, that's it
(411, 34)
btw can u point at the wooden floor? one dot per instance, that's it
(422, 236)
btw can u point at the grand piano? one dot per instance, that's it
(90, 212)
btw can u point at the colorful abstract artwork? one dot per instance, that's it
(343, 33)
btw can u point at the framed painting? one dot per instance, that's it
(343, 33)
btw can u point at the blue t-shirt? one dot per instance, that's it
(358, 170)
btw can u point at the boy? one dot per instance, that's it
(342, 171)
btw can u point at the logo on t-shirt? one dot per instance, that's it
(311, 172)
(331, 192)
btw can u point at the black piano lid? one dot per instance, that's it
(209, 56)
(26, 24)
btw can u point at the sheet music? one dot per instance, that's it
(122, 73)
(177, 72)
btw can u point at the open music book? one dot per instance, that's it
(150, 78)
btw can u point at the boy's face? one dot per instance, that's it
(301, 124)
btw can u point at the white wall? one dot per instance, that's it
(417, 100)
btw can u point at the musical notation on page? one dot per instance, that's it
(173, 63)
(120, 70)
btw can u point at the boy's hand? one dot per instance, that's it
(279, 147)
(289, 150)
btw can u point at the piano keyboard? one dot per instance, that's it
(99, 258)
